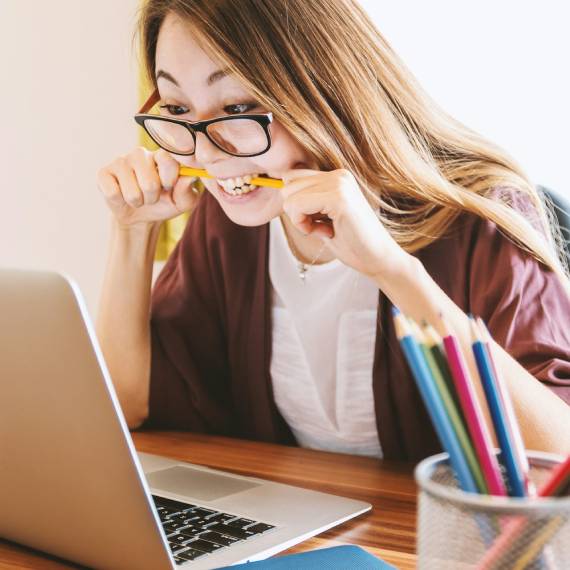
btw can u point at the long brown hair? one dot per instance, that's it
(330, 77)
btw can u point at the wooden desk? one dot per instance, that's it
(388, 531)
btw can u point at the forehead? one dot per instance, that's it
(179, 53)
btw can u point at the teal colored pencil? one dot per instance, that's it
(451, 410)
(432, 401)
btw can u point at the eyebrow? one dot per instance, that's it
(216, 76)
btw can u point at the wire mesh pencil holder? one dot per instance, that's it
(459, 530)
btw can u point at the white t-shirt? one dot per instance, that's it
(324, 332)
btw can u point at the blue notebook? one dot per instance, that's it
(335, 558)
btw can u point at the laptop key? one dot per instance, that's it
(231, 531)
(175, 506)
(191, 531)
(260, 527)
(220, 517)
(202, 512)
(180, 517)
(241, 523)
(204, 545)
(170, 527)
(223, 518)
(168, 512)
(190, 554)
(218, 538)
(199, 522)
(177, 539)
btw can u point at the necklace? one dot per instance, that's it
(302, 267)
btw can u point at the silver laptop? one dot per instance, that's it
(71, 482)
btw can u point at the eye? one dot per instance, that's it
(239, 108)
(174, 109)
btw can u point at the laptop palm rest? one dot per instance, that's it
(197, 484)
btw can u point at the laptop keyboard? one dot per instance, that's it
(193, 531)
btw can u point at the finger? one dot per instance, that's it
(184, 195)
(109, 187)
(308, 209)
(294, 186)
(142, 162)
(168, 168)
(296, 173)
(129, 185)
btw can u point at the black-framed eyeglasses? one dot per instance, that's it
(239, 135)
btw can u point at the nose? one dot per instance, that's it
(206, 152)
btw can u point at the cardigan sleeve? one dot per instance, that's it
(189, 377)
(524, 305)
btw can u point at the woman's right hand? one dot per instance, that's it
(144, 186)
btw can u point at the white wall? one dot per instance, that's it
(500, 67)
(67, 99)
(69, 91)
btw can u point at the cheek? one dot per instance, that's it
(284, 153)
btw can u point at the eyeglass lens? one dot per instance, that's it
(236, 136)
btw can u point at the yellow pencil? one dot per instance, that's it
(200, 172)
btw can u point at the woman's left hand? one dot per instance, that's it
(356, 236)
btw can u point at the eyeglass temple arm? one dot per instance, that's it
(150, 102)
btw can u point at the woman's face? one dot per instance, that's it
(198, 97)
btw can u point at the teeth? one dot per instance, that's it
(238, 186)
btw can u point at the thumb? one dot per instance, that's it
(185, 194)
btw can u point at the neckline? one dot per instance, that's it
(282, 237)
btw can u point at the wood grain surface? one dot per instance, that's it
(388, 531)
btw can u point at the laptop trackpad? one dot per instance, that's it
(193, 483)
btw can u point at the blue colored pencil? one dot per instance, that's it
(514, 473)
(516, 436)
(433, 403)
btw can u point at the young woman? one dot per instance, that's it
(271, 319)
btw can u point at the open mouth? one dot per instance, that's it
(238, 186)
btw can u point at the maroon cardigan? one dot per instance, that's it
(211, 330)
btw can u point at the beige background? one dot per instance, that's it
(67, 98)
(69, 92)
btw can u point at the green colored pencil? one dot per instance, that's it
(435, 344)
(451, 410)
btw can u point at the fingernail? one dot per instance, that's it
(168, 187)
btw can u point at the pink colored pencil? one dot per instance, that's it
(473, 414)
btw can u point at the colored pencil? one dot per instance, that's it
(451, 410)
(534, 545)
(258, 181)
(473, 414)
(435, 344)
(557, 483)
(515, 475)
(510, 417)
(433, 403)
(515, 535)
